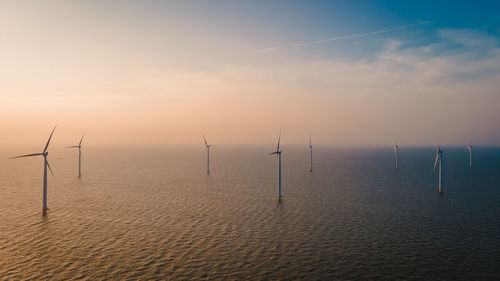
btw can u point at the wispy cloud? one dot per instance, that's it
(457, 89)
(467, 37)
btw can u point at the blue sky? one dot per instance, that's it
(243, 70)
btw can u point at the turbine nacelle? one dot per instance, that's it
(79, 146)
(438, 156)
(278, 151)
(207, 146)
(206, 143)
(278, 154)
(44, 153)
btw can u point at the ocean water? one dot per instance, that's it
(142, 213)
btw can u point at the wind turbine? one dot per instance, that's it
(278, 154)
(439, 157)
(208, 154)
(46, 165)
(311, 149)
(79, 146)
(469, 148)
(396, 153)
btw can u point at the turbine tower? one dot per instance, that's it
(439, 157)
(311, 150)
(396, 153)
(278, 154)
(469, 148)
(46, 165)
(79, 146)
(208, 154)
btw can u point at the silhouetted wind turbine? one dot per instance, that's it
(396, 153)
(311, 150)
(79, 146)
(469, 148)
(46, 165)
(278, 154)
(439, 156)
(208, 154)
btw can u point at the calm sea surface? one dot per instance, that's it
(153, 213)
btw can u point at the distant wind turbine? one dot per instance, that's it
(311, 150)
(79, 146)
(396, 153)
(208, 154)
(469, 148)
(46, 165)
(439, 157)
(278, 154)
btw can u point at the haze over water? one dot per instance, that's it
(153, 213)
(147, 80)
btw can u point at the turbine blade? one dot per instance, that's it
(48, 165)
(80, 143)
(435, 162)
(47, 145)
(206, 143)
(26, 155)
(279, 138)
(273, 153)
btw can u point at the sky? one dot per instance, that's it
(238, 72)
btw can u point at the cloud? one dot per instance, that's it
(416, 92)
(467, 37)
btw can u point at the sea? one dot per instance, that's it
(153, 213)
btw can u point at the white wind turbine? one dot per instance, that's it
(469, 148)
(439, 157)
(311, 150)
(46, 165)
(79, 146)
(396, 153)
(208, 154)
(278, 154)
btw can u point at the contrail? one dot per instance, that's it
(267, 49)
(343, 37)
(353, 36)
